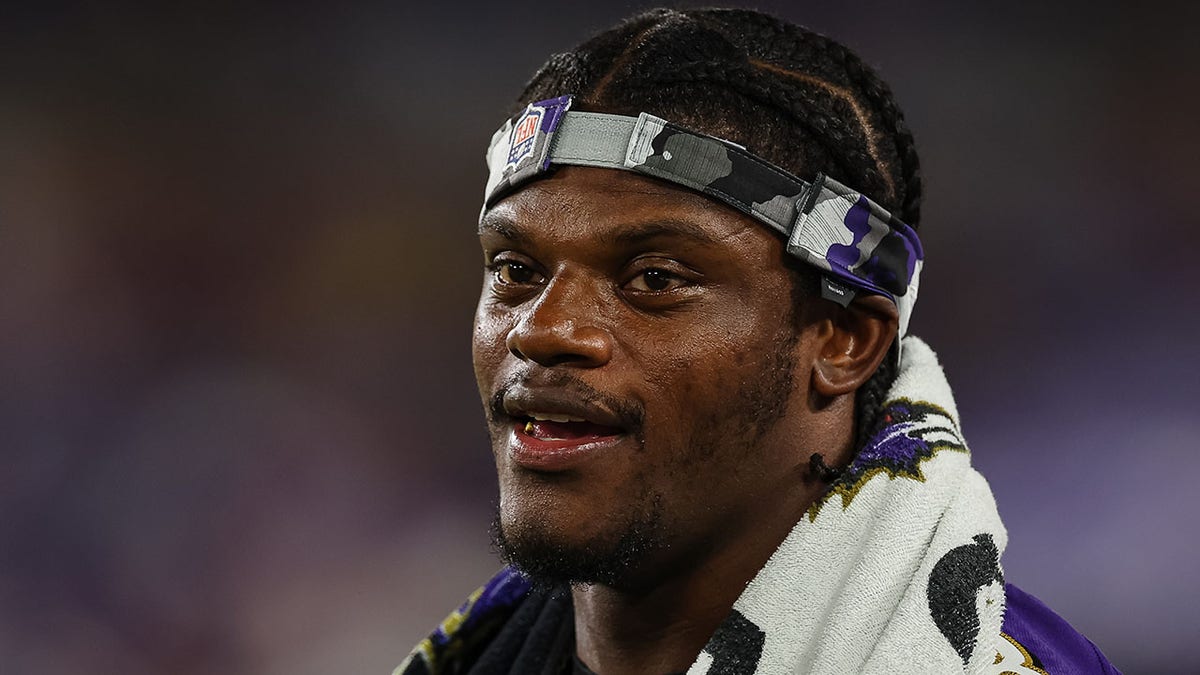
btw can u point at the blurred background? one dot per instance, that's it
(238, 424)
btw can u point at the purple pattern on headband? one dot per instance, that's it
(555, 109)
(858, 222)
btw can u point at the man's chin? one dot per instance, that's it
(548, 557)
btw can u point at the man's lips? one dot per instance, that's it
(565, 430)
(558, 446)
(555, 429)
(557, 406)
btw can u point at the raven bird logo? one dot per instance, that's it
(914, 431)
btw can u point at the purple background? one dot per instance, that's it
(237, 271)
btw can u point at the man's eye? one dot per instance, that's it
(515, 273)
(654, 281)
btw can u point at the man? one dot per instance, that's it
(717, 450)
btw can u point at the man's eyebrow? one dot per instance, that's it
(628, 235)
(637, 233)
(501, 225)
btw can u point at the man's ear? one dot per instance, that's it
(855, 340)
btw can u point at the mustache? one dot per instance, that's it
(631, 414)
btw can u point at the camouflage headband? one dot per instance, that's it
(857, 243)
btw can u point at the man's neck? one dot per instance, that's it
(617, 634)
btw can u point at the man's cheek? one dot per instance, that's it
(490, 330)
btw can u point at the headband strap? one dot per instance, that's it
(856, 242)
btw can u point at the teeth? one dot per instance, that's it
(547, 417)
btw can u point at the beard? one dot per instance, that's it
(548, 561)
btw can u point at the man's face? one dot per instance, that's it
(636, 349)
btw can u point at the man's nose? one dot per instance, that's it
(563, 327)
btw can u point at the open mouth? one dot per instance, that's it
(554, 442)
(549, 428)
(559, 428)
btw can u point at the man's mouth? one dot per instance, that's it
(560, 428)
(548, 427)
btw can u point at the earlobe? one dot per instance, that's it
(854, 341)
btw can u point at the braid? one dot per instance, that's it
(792, 96)
(879, 94)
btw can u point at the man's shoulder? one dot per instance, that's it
(1036, 640)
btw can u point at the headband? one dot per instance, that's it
(858, 244)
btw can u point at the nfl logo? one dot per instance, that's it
(524, 134)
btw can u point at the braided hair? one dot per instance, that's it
(791, 96)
